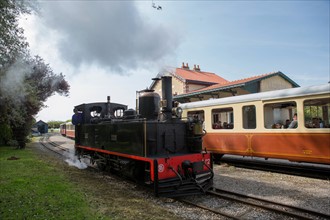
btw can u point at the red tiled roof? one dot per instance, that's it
(199, 76)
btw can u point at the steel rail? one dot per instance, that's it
(208, 209)
(290, 169)
(268, 204)
(45, 143)
(58, 146)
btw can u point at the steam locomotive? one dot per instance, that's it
(154, 146)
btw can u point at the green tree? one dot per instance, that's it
(5, 134)
(54, 124)
(12, 40)
(25, 82)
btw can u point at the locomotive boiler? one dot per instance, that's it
(152, 145)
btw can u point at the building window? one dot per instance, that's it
(279, 115)
(316, 113)
(223, 118)
(249, 117)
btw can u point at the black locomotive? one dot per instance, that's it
(154, 146)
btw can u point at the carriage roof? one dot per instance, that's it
(270, 95)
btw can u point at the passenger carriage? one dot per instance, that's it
(67, 129)
(257, 124)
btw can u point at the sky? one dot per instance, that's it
(115, 48)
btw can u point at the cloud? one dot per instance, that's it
(109, 34)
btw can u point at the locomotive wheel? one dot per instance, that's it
(101, 165)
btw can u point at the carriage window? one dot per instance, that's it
(279, 115)
(249, 117)
(70, 127)
(196, 115)
(316, 113)
(223, 118)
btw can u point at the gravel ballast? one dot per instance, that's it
(292, 190)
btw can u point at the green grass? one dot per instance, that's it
(33, 189)
(39, 185)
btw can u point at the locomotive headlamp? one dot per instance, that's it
(177, 111)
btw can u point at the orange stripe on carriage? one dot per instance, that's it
(309, 147)
(70, 133)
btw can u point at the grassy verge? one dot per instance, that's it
(32, 189)
(40, 185)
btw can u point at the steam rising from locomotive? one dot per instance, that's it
(153, 145)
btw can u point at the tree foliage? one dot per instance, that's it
(12, 40)
(25, 82)
(54, 124)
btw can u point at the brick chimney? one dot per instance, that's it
(185, 66)
(196, 68)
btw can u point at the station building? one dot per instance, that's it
(193, 84)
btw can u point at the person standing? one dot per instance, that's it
(77, 119)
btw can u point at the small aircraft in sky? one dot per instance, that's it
(156, 7)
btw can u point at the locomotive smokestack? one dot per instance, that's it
(167, 98)
(108, 113)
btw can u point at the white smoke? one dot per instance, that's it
(73, 160)
(12, 82)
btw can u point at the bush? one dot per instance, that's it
(5, 134)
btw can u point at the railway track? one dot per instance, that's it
(317, 171)
(229, 204)
(240, 206)
(65, 152)
(52, 146)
